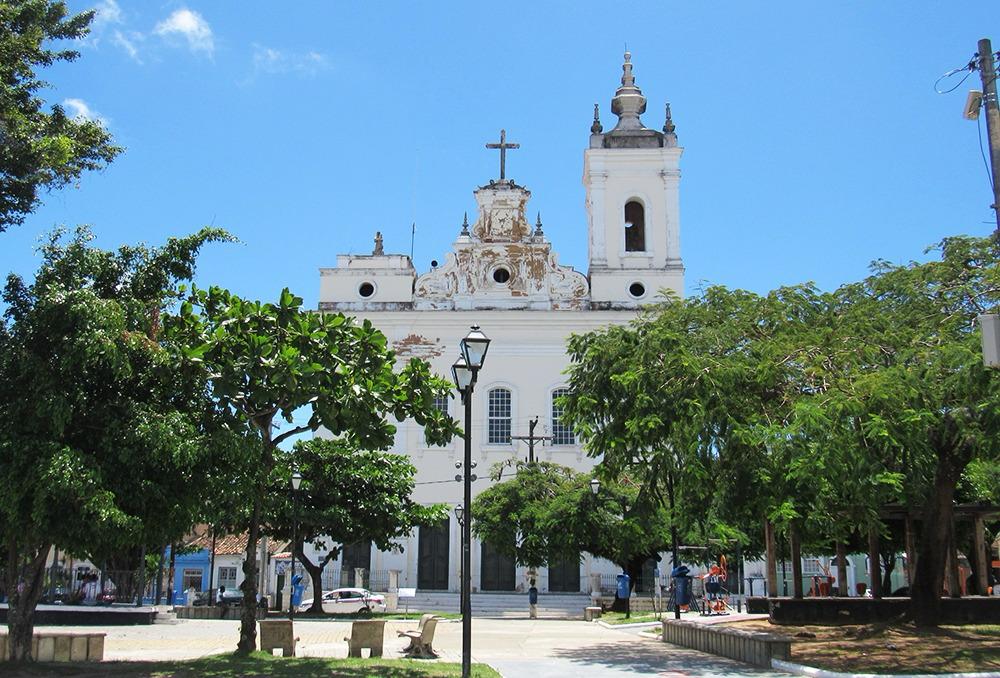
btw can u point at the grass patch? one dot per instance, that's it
(890, 648)
(616, 618)
(258, 664)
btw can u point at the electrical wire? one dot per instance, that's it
(982, 151)
(971, 66)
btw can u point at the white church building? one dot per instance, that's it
(503, 274)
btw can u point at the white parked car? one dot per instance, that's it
(348, 601)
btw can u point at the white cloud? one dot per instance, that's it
(107, 12)
(128, 43)
(78, 109)
(274, 61)
(189, 25)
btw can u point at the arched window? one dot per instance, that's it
(635, 227)
(561, 433)
(499, 411)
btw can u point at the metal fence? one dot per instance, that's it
(87, 586)
(373, 580)
(644, 584)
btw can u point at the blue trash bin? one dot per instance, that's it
(682, 585)
(297, 588)
(623, 585)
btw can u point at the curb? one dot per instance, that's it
(637, 625)
(813, 672)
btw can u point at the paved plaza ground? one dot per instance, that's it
(516, 647)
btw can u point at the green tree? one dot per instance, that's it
(347, 496)
(102, 440)
(39, 149)
(928, 406)
(267, 361)
(548, 513)
(515, 515)
(811, 410)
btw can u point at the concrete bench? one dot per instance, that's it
(366, 634)
(277, 633)
(421, 642)
(746, 646)
(420, 628)
(59, 646)
(591, 613)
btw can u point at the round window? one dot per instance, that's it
(366, 289)
(501, 275)
(637, 290)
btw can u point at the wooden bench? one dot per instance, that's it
(277, 633)
(368, 633)
(60, 646)
(421, 640)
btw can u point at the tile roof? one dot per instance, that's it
(234, 544)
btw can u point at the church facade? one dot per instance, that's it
(503, 274)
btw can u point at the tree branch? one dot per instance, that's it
(288, 434)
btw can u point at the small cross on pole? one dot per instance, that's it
(503, 146)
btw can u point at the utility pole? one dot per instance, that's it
(531, 438)
(988, 74)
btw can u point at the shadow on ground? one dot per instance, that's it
(645, 658)
(258, 664)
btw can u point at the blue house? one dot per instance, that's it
(190, 571)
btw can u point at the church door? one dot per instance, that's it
(432, 557)
(565, 575)
(497, 571)
(354, 556)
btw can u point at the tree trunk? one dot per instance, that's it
(315, 573)
(795, 546)
(925, 592)
(842, 587)
(25, 574)
(248, 613)
(772, 559)
(170, 574)
(888, 567)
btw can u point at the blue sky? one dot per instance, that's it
(814, 140)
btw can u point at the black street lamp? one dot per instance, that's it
(465, 371)
(296, 484)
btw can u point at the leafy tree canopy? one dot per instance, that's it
(266, 362)
(102, 440)
(347, 496)
(40, 149)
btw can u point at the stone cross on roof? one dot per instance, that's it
(503, 146)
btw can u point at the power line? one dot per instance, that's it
(970, 67)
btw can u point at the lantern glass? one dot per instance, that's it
(474, 348)
(461, 374)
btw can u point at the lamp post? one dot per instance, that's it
(465, 372)
(296, 484)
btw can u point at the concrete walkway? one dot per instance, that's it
(515, 647)
(518, 648)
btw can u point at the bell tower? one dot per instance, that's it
(632, 176)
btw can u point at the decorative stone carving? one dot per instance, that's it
(502, 263)
(501, 213)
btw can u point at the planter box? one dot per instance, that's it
(62, 647)
(745, 646)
